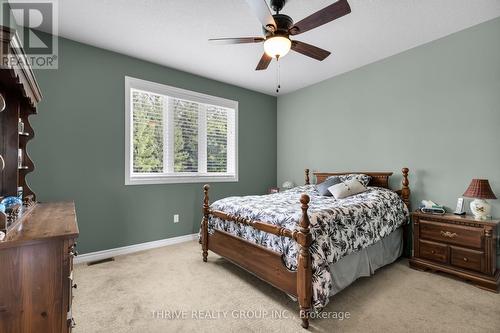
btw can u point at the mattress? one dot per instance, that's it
(338, 227)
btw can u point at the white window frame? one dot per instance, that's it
(152, 178)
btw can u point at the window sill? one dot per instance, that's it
(150, 180)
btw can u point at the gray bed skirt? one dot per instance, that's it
(367, 261)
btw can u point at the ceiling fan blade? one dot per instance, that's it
(325, 15)
(263, 13)
(310, 50)
(240, 40)
(264, 62)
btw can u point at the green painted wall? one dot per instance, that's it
(79, 148)
(435, 109)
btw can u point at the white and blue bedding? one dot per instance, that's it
(338, 227)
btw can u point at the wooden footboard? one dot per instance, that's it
(267, 264)
(260, 261)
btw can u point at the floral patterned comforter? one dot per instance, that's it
(338, 227)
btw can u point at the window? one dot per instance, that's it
(178, 136)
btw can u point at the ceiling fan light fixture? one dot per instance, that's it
(277, 46)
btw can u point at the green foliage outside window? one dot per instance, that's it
(148, 132)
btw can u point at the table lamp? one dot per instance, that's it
(480, 189)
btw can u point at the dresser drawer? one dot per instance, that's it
(433, 251)
(468, 259)
(451, 234)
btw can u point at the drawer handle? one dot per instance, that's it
(465, 259)
(433, 252)
(448, 234)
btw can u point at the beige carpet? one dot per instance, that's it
(133, 293)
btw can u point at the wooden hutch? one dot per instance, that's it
(37, 240)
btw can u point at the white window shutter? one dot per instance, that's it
(231, 142)
(217, 139)
(185, 136)
(202, 139)
(148, 131)
(177, 135)
(169, 147)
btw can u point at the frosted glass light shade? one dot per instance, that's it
(277, 46)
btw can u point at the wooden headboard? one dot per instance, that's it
(380, 179)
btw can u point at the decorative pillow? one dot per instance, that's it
(323, 187)
(362, 178)
(347, 188)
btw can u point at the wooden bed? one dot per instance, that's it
(268, 264)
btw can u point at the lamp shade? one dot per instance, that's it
(479, 189)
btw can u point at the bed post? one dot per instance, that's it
(405, 190)
(304, 269)
(405, 196)
(204, 223)
(307, 176)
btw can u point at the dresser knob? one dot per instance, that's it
(73, 253)
(465, 259)
(71, 323)
(433, 252)
(74, 286)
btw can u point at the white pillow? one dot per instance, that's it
(347, 188)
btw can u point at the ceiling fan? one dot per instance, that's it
(279, 27)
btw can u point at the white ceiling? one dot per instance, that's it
(174, 33)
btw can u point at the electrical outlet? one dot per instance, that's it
(176, 218)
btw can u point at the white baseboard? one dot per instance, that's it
(100, 255)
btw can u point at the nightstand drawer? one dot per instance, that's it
(433, 251)
(451, 234)
(468, 259)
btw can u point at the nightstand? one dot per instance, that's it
(461, 246)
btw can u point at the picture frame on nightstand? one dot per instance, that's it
(459, 210)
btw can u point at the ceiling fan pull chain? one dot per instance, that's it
(279, 75)
(278, 85)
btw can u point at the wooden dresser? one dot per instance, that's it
(462, 246)
(36, 265)
(37, 240)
